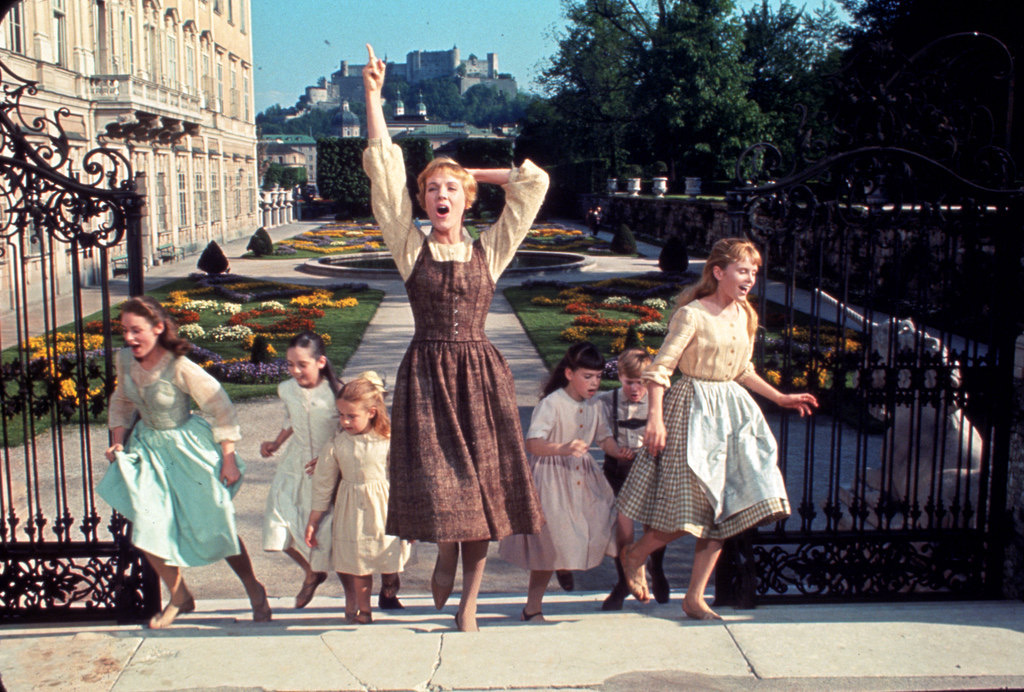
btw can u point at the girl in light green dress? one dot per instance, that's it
(175, 475)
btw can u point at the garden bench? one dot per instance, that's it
(169, 252)
(119, 264)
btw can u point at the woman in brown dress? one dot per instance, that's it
(458, 469)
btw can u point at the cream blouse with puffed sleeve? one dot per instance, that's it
(392, 208)
(703, 346)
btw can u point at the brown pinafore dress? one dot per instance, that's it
(457, 465)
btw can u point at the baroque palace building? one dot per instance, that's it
(166, 82)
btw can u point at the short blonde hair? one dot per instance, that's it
(633, 361)
(447, 164)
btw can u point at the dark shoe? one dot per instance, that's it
(565, 579)
(532, 617)
(659, 584)
(389, 602)
(305, 594)
(616, 597)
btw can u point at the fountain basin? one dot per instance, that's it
(380, 265)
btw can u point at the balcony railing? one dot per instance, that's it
(123, 88)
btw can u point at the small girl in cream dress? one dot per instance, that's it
(353, 471)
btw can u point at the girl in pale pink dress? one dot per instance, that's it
(577, 500)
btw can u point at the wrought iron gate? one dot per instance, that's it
(62, 555)
(891, 289)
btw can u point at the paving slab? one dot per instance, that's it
(884, 640)
(41, 661)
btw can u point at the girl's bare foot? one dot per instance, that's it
(165, 617)
(698, 609)
(633, 570)
(258, 600)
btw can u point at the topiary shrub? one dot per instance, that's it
(212, 261)
(260, 352)
(260, 243)
(674, 258)
(624, 243)
(632, 340)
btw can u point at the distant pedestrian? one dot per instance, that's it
(352, 475)
(710, 463)
(175, 475)
(594, 217)
(578, 502)
(625, 410)
(310, 420)
(459, 474)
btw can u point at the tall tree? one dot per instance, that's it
(663, 79)
(790, 52)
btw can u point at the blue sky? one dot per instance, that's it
(296, 42)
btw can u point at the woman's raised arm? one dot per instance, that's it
(373, 84)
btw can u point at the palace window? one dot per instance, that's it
(214, 190)
(161, 202)
(220, 86)
(15, 30)
(60, 32)
(245, 95)
(182, 194)
(200, 197)
(172, 61)
(190, 68)
(234, 89)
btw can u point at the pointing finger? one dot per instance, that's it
(369, 49)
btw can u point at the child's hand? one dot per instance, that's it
(802, 403)
(654, 436)
(626, 454)
(229, 473)
(268, 448)
(112, 449)
(311, 466)
(311, 535)
(576, 448)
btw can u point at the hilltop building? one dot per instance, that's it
(347, 82)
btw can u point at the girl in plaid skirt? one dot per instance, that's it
(709, 466)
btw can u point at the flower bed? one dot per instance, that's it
(351, 238)
(276, 311)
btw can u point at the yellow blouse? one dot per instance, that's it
(392, 207)
(704, 346)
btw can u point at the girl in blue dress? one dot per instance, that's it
(175, 475)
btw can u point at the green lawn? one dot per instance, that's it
(544, 325)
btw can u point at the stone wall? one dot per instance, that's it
(699, 222)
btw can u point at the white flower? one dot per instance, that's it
(191, 331)
(652, 328)
(270, 305)
(656, 303)
(616, 300)
(235, 333)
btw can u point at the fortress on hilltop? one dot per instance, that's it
(346, 84)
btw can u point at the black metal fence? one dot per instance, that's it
(62, 555)
(890, 289)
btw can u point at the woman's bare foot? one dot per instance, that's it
(466, 623)
(698, 609)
